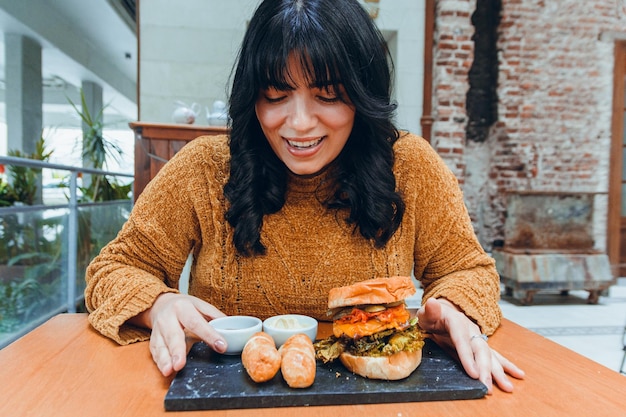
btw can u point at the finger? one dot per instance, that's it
(200, 327)
(179, 360)
(509, 367)
(468, 352)
(161, 353)
(207, 310)
(191, 340)
(429, 316)
(483, 361)
(170, 333)
(499, 376)
(501, 367)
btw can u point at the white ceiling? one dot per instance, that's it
(81, 40)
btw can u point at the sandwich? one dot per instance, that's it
(373, 333)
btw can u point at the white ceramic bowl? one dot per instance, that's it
(286, 325)
(236, 330)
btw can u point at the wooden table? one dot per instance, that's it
(65, 368)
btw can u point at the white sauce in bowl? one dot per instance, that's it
(287, 323)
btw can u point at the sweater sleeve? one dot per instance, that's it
(449, 260)
(149, 253)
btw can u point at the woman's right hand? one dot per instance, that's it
(177, 322)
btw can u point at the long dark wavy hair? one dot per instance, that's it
(338, 44)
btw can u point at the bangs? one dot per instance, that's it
(317, 60)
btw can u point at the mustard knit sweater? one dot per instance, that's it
(309, 249)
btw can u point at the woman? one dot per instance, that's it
(314, 188)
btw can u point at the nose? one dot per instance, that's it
(301, 115)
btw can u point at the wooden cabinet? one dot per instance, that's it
(156, 143)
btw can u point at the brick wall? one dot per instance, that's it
(554, 103)
(452, 59)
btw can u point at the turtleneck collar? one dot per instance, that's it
(320, 183)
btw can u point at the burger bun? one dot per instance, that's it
(397, 366)
(372, 291)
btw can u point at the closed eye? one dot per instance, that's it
(274, 99)
(330, 94)
(327, 99)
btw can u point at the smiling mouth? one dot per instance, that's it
(305, 144)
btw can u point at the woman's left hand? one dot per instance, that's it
(453, 330)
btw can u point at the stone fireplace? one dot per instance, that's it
(549, 246)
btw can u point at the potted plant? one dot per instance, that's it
(96, 149)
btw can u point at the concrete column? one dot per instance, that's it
(24, 92)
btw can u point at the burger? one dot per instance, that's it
(373, 333)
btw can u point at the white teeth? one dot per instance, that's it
(304, 145)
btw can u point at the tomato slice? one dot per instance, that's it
(360, 323)
(361, 316)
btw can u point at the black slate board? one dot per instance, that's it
(211, 381)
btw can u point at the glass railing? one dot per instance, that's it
(45, 249)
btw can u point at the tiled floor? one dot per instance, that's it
(595, 331)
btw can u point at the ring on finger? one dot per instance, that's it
(479, 336)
